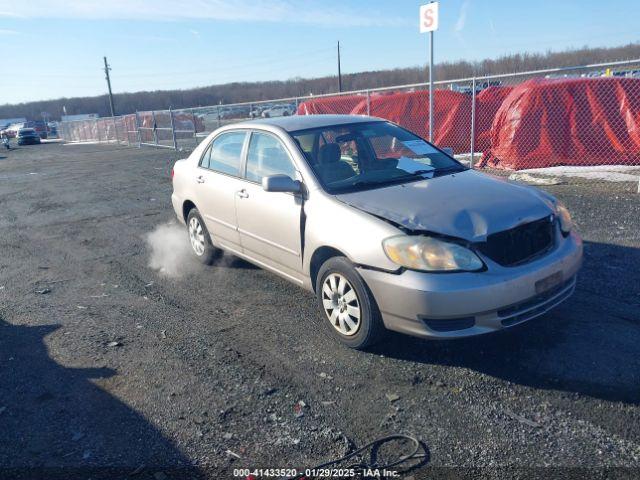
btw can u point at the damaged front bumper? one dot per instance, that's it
(450, 305)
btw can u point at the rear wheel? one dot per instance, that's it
(348, 305)
(200, 239)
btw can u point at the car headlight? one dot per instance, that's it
(566, 223)
(430, 254)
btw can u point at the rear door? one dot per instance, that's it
(218, 180)
(269, 222)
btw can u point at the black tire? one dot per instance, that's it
(209, 253)
(370, 328)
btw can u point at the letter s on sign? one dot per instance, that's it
(429, 17)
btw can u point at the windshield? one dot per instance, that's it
(26, 131)
(360, 156)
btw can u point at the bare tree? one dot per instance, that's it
(250, 91)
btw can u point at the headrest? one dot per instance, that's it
(329, 153)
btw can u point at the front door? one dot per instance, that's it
(269, 222)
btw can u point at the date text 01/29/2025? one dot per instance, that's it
(256, 473)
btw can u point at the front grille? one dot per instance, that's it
(520, 244)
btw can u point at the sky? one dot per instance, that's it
(54, 48)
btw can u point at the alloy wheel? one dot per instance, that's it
(341, 304)
(196, 236)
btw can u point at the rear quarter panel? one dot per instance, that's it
(184, 173)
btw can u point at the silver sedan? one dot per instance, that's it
(390, 232)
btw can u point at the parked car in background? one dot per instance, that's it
(40, 127)
(468, 89)
(256, 112)
(388, 230)
(28, 136)
(53, 129)
(10, 131)
(279, 111)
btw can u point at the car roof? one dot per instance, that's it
(302, 122)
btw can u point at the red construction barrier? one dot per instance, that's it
(581, 121)
(488, 101)
(341, 104)
(452, 115)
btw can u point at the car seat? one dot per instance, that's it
(330, 167)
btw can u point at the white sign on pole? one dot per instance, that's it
(429, 23)
(429, 17)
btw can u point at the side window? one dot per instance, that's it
(267, 156)
(224, 153)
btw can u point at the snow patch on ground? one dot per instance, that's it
(92, 142)
(609, 173)
(528, 178)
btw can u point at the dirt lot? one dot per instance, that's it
(109, 369)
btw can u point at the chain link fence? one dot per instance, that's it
(120, 129)
(578, 124)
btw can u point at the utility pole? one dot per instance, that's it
(339, 73)
(106, 72)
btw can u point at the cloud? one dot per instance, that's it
(462, 17)
(4, 31)
(275, 11)
(195, 33)
(7, 13)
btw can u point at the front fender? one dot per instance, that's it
(357, 234)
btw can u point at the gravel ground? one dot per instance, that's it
(109, 369)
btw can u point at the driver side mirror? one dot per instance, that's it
(281, 183)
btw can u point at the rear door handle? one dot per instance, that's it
(200, 179)
(242, 194)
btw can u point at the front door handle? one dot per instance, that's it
(200, 179)
(242, 194)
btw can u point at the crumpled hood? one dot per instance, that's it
(467, 205)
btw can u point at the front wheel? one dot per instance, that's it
(200, 239)
(348, 305)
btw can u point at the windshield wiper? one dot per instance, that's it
(412, 175)
(388, 181)
(418, 174)
(449, 169)
(365, 183)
